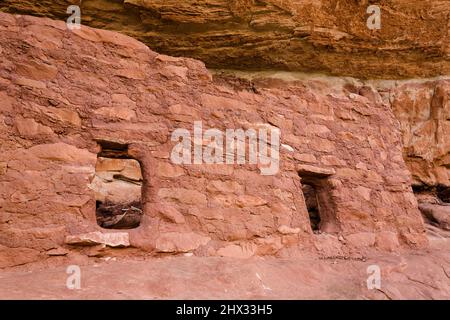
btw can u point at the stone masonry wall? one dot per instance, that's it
(63, 91)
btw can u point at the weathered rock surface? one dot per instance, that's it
(438, 214)
(116, 239)
(117, 180)
(423, 110)
(59, 79)
(10, 257)
(420, 105)
(326, 36)
(409, 276)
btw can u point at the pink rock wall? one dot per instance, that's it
(423, 110)
(62, 91)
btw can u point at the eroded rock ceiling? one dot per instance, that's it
(320, 36)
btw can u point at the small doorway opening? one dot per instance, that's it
(318, 194)
(310, 195)
(118, 187)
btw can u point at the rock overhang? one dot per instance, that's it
(329, 36)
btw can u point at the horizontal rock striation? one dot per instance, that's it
(324, 36)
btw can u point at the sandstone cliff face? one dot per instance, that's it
(65, 93)
(423, 109)
(326, 36)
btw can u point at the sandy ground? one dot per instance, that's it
(409, 275)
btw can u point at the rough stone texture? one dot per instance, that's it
(10, 257)
(423, 110)
(407, 276)
(420, 105)
(437, 213)
(116, 239)
(117, 180)
(58, 80)
(326, 36)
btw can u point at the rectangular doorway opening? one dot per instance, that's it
(118, 187)
(317, 192)
(310, 195)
